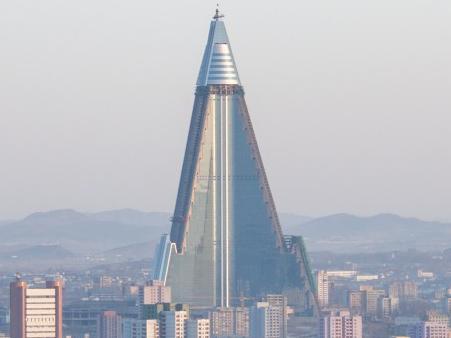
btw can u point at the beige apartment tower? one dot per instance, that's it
(340, 324)
(322, 288)
(36, 312)
(109, 325)
(154, 292)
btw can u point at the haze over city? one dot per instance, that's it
(350, 102)
(290, 181)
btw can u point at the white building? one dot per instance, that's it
(346, 274)
(40, 309)
(154, 292)
(222, 322)
(366, 278)
(340, 325)
(425, 274)
(229, 321)
(198, 328)
(322, 287)
(173, 324)
(268, 319)
(429, 329)
(370, 299)
(36, 313)
(387, 307)
(140, 328)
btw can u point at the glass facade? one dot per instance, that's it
(226, 239)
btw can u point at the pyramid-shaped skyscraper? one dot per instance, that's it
(226, 241)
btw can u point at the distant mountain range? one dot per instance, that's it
(128, 233)
(84, 233)
(383, 232)
(39, 252)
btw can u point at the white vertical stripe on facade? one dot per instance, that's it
(226, 125)
(215, 182)
(222, 198)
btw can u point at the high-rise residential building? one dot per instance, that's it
(403, 290)
(152, 328)
(340, 324)
(154, 292)
(140, 328)
(222, 322)
(322, 288)
(437, 317)
(387, 307)
(229, 322)
(395, 290)
(109, 325)
(384, 308)
(152, 311)
(259, 320)
(428, 329)
(198, 328)
(268, 318)
(173, 324)
(355, 301)
(226, 239)
(338, 292)
(370, 299)
(36, 312)
(242, 322)
(410, 289)
(278, 306)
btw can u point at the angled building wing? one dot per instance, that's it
(226, 241)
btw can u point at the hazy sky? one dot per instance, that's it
(350, 100)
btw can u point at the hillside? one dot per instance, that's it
(349, 233)
(128, 233)
(39, 252)
(85, 233)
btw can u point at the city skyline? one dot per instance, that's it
(366, 128)
(338, 114)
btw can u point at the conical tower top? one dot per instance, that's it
(218, 15)
(218, 64)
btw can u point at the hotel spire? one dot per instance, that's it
(226, 240)
(218, 64)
